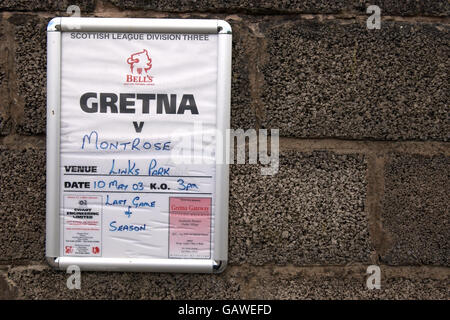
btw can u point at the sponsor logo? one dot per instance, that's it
(95, 250)
(139, 64)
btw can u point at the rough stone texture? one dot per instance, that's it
(38, 282)
(338, 287)
(409, 7)
(48, 284)
(329, 79)
(7, 292)
(5, 123)
(311, 212)
(242, 113)
(2, 72)
(264, 6)
(416, 210)
(46, 5)
(22, 218)
(30, 68)
(391, 7)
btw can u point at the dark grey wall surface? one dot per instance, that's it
(364, 152)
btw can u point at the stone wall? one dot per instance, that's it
(364, 152)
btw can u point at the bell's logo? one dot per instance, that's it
(140, 64)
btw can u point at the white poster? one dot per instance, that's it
(138, 119)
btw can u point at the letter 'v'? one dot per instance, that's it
(138, 127)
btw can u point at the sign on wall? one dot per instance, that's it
(136, 114)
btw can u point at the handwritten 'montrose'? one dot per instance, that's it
(91, 141)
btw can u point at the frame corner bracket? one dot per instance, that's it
(219, 266)
(54, 25)
(53, 262)
(223, 27)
